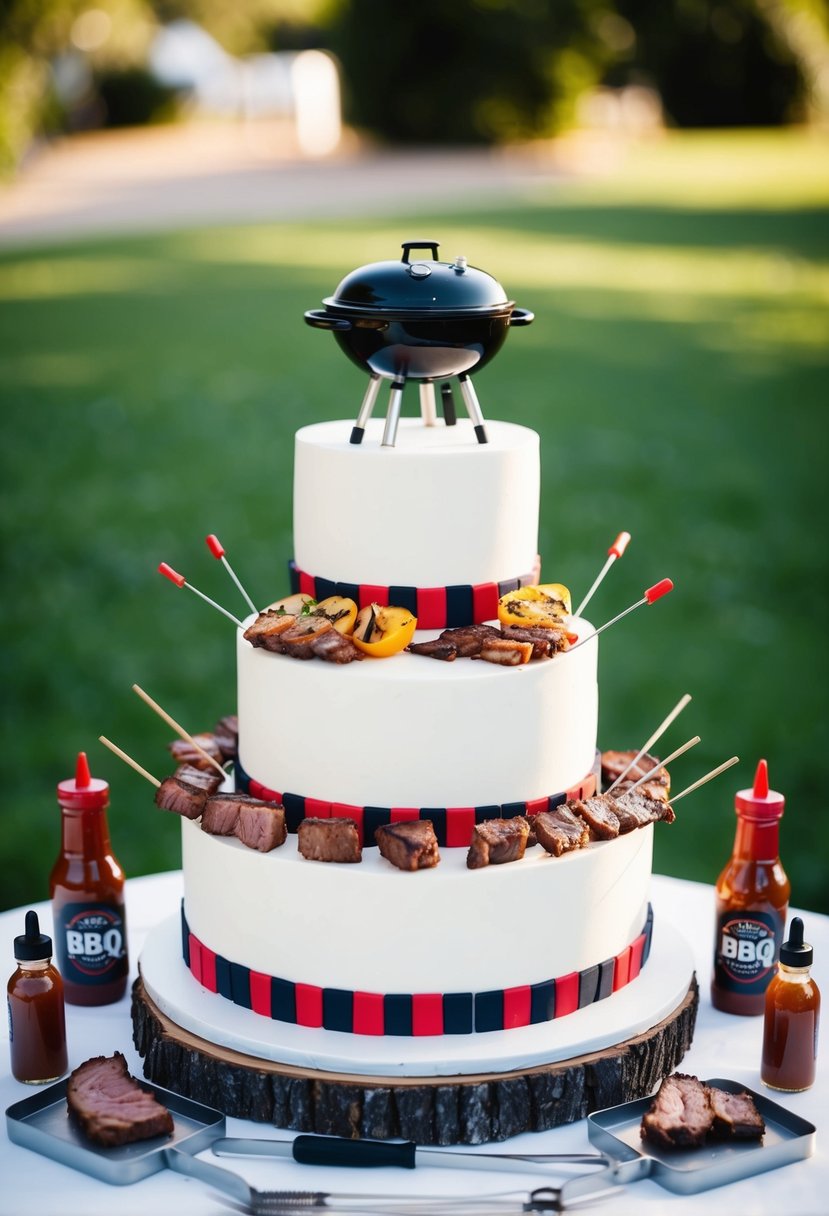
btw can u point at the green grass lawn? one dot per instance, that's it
(677, 374)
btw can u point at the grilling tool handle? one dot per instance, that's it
(322, 1150)
(212, 1175)
(593, 1185)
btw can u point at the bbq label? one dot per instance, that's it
(747, 947)
(91, 941)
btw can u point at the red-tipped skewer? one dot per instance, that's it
(652, 594)
(613, 554)
(181, 581)
(217, 549)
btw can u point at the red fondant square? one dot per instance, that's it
(404, 814)
(517, 1003)
(621, 970)
(308, 1005)
(314, 809)
(567, 994)
(589, 785)
(258, 790)
(208, 969)
(637, 949)
(431, 608)
(537, 805)
(260, 993)
(307, 583)
(368, 1013)
(484, 602)
(427, 1013)
(369, 594)
(460, 824)
(195, 957)
(343, 810)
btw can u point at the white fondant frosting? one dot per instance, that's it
(373, 928)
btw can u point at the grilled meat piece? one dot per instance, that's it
(304, 631)
(598, 814)
(558, 831)
(329, 840)
(505, 651)
(226, 734)
(680, 1115)
(615, 763)
(206, 779)
(468, 639)
(497, 841)
(335, 648)
(184, 752)
(409, 846)
(736, 1116)
(436, 649)
(546, 642)
(637, 809)
(220, 814)
(649, 789)
(268, 627)
(111, 1107)
(260, 825)
(180, 797)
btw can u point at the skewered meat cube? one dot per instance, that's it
(268, 627)
(335, 647)
(636, 810)
(329, 840)
(680, 1115)
(736, 1116)
(261, 825)
(546, 642)
(497, 841)
(598, 814)
(558, 831)
(180, 797)
(409, 846)
(226, 734)
(615, 763)
(220, 814)
(506, 652)
(648, 789)
(436, 649)
(202, 778)
(111, 1107)
(184, 752)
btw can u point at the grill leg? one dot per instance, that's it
(447, 401)
(393, 415)
(473, 407)
(427, 403)
(359, 428)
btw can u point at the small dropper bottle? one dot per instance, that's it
(790, 1030)
(37, 1024)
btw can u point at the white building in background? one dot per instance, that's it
(302, 86)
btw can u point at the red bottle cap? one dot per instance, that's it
(83, 791)
(760, 802)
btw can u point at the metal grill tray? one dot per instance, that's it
(687, 1171)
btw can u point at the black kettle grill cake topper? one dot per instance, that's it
(419, 320)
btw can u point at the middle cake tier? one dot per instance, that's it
(411, 732)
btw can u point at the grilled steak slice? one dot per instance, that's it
(680, 1115)
(226, 734)
(497, 841)
(558, 831)
(111, 1107)
(615, 763)
(304, 631)
(436, 649)
(206, 779)
(335, 648)
(637, 809)
(268, 627)
(546, 642)
(260, 825)
(653, 790)
(468, 639)
(409, 846)
(184, 752)
(221, 812)
(736, 1116)
(598, 814)
(180, 797)
(505, 651)
(329, 840)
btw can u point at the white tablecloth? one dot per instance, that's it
(723, 1046)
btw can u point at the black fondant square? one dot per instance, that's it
(293, 575)
(482, 813)
(240, 984)
(437, 814)
(283, 1000)
(511, 809)
(338, 1009)
(510, 584)
(404, 597)
(374, 817)
(605, 984)
(648, 935)
(294, 805)
(588, 983)
(459, 609)
(489, 1010)
(324, 587)
(224, 984)
(543, 1001)
(557, 800)
(350, 591)
(185, 936)
(457, 1013)
(397, 1013)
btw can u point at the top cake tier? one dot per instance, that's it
(438, 510)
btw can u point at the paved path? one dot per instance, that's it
(160, 178)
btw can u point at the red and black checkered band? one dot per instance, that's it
(434, 607)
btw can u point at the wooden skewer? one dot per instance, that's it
(129, 760)
(180, 731)
(657, 734)
(673, 756)
(715, 772)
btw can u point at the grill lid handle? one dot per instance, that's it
(407, 247)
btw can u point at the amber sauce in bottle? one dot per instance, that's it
(752, 899)
(790, 1029)
(87, 890)
(37, 1022)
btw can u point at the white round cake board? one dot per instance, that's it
(655, 993)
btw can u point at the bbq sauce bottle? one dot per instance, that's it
(87, 890)
(792, 1017)
(752, 901)
(37, 1022)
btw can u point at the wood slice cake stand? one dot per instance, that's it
(474, 1107)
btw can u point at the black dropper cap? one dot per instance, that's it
(795, 952)
(34, 945)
